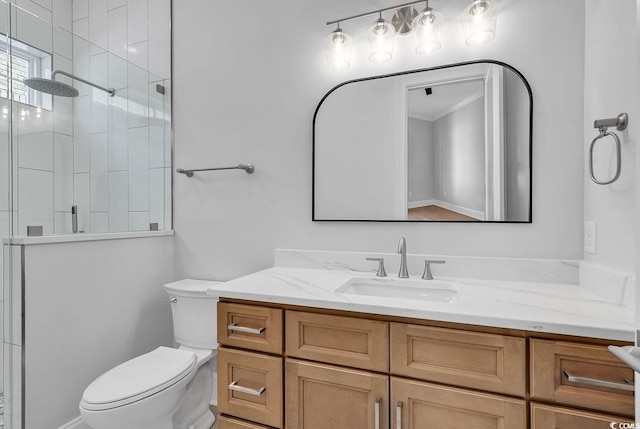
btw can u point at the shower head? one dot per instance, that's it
(53, 87)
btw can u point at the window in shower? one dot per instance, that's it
(24, 61)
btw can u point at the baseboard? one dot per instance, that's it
(76, 423)
(421, 203)
(476, 214)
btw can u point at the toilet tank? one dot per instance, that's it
(194, 313)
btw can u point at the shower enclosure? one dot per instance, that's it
(86, 161)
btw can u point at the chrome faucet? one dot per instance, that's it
(402, 250)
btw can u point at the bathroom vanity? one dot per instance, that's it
(299, 349)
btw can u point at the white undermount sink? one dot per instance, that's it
(424, 290)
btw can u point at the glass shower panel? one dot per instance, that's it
(106, 158)
(5, 215)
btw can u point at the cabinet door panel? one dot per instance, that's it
(552, 417)
(425, 405)
(495, 363)
(327, 397)
(348, 341)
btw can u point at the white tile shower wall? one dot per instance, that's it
(63, 173)
(71, 142)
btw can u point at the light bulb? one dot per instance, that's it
(480, 21)
(381, 38)
(426, 27)
(338, 50)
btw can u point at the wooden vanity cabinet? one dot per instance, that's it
(331, 369)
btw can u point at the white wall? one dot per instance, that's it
(517, 157)
(611, 85)
(89, 306)
(274, 72)
(421, 162)
(356, 168)
(460, 156)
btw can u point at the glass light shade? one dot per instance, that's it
(381, 38)
(426, 27)
(480, 22)
(338, 50)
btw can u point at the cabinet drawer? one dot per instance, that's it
(250, 386)
(551, 417)
(419, 405)
(321, 396)
(347, 341)
(495, 363)
(250, 327)
(225, 422)
(572, 374)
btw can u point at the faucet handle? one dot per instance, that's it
(427, 269)
(381, 272)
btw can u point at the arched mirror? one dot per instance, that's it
(446, 144)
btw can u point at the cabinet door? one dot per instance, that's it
(327, 397)
(552, 417)
(419, 405)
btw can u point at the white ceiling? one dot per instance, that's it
(445, 98)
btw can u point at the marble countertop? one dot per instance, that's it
(567, 309)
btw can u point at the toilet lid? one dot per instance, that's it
(138, 378)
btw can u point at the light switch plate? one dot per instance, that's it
(590, 237)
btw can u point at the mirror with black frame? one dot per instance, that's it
(447, 144)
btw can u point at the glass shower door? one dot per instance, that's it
(6, 208)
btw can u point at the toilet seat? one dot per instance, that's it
(138, 378)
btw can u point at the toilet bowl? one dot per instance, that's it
(167, 388)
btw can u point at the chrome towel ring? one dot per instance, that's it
(620, 123)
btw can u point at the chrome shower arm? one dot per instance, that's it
(111, 91)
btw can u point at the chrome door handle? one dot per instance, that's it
(255, 392)
(626, 386)
(377, 413)
(399, 415)
(236, 328)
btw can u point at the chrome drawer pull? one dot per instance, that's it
(627, 386)
(377, 413)
(249, 391)
(399, 415)
(236, 328)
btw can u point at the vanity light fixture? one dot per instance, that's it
(479, 19)
(381, 38)
(426, 27)
(338, 50)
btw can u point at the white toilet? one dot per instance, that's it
(166, 388)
